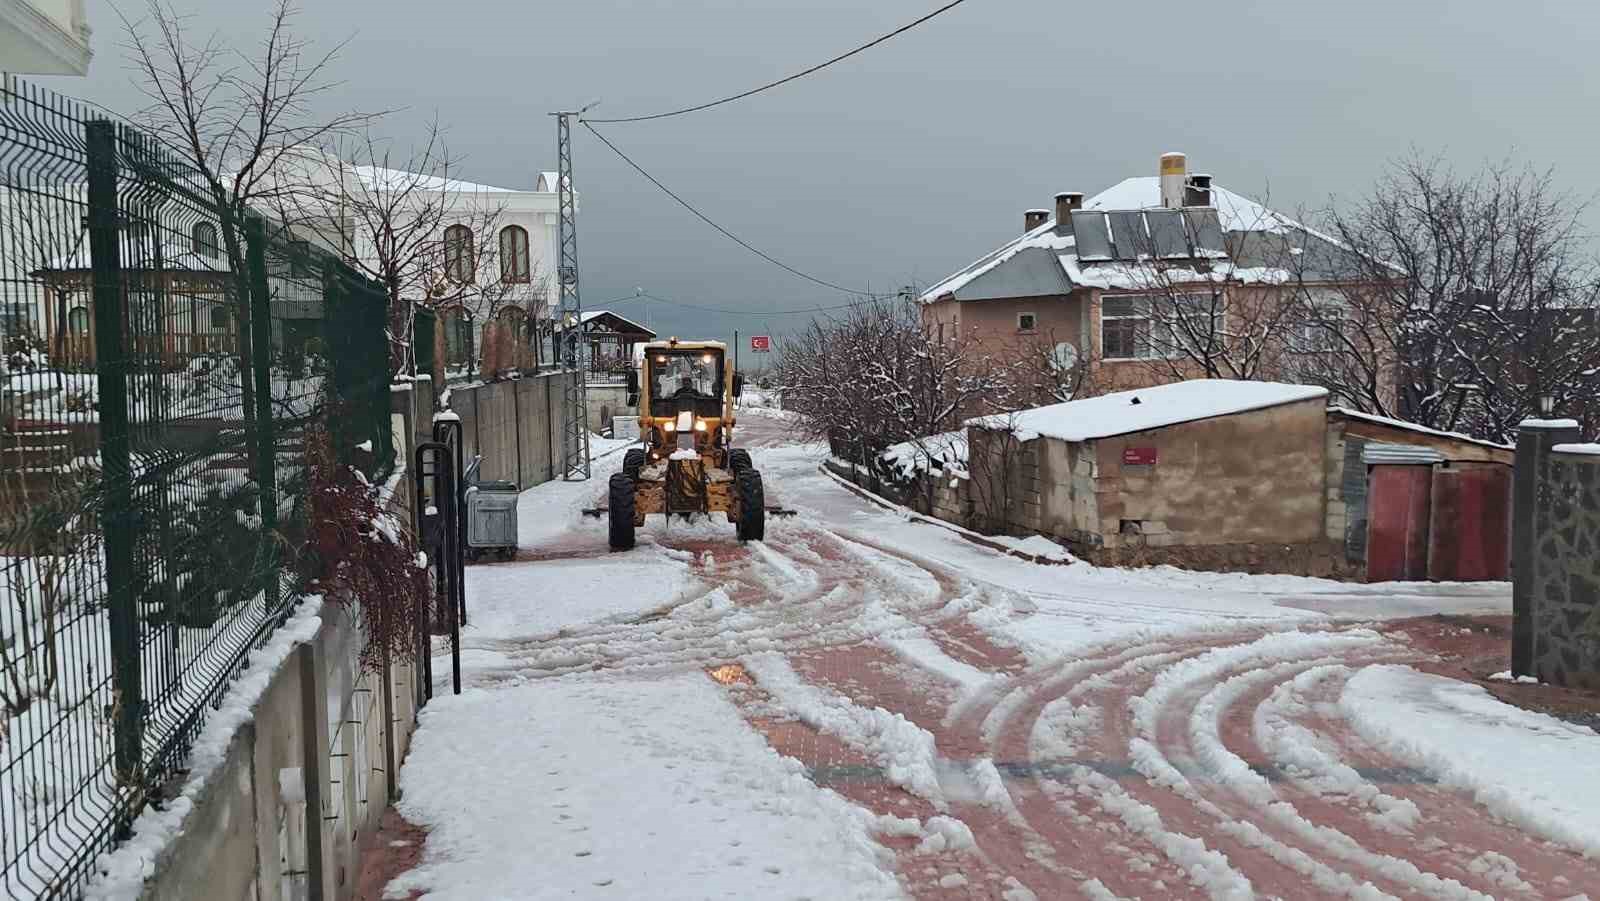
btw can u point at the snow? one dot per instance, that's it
(1505, 676)
(1235, 212)
(381, 179)
(686, 453)
(1548, 424)
(122, 871)
(1419, 429)
(447, 416)
(1147, 408)
(904, 749)
(1535, 771)
(631, 788)
(910, 458)
(1585, 450)
(1036, 545)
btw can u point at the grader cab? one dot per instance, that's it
(688, 466)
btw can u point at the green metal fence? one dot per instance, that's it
(162, 367)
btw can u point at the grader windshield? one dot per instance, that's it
(681, 380)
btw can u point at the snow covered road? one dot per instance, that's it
(869, 706)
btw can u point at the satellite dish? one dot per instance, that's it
(1063, 356)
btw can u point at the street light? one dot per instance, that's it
(1547, 405)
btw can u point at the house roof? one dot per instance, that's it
(379, 178)
(1257, 240)
(1147, 408)
(619, 324)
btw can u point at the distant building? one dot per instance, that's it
(44, 37)
(1123, 283)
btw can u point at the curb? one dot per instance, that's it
(967, 534)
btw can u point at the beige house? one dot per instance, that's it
(1130, 283)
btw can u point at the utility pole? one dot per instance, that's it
(575, 401)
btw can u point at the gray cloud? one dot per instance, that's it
(908, 161)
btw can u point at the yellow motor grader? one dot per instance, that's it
(685, 392)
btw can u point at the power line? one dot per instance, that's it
(801, 74)
(707, 220)
(793, 312)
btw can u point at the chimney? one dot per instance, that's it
(1174, 171)
(1032, 219)
(1198, 191)
(1066, 202)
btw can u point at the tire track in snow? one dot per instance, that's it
(1449, 822)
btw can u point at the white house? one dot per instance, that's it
(44, 37)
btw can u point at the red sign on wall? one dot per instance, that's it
(1138, 456)
(761, 343)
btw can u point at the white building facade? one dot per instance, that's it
(44, 37)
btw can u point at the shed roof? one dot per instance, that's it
(1148, 408)
(1413, 427)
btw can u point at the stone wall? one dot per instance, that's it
(1564, 577)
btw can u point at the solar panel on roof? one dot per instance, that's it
(1166, 233)
(1206, 229)
(1089, 231)
(1128, 234)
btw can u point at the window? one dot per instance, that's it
(1142, 327)
(457, 338)
(1319, 329)
(459, 265)
(514, 254)
(1027, 323)
(203, 239)
(219, 317)
(78, 321)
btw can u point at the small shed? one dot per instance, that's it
(1207, 473)
(1410, 502)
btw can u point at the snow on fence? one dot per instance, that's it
(152, 488)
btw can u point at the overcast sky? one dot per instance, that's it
(910, 160)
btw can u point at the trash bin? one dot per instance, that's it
(491, 515)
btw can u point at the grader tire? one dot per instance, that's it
(739, 461)
(632, 462)
(752, 524)
(621, 511)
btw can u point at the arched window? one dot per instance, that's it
(219, 317)
(203, 239)
(514, 254)
(78, 320)
(459, 265)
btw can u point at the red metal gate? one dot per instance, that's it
(1399, 504)
(1469, 538)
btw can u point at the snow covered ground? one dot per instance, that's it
(867, 705)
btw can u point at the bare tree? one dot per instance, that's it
(1477, 296)
(387, 214)
(235, 117)
(876, 376)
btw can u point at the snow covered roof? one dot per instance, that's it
(628, 325)
(1258, 240)
(379, 178)
(1147, 408)
(1413, 427)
